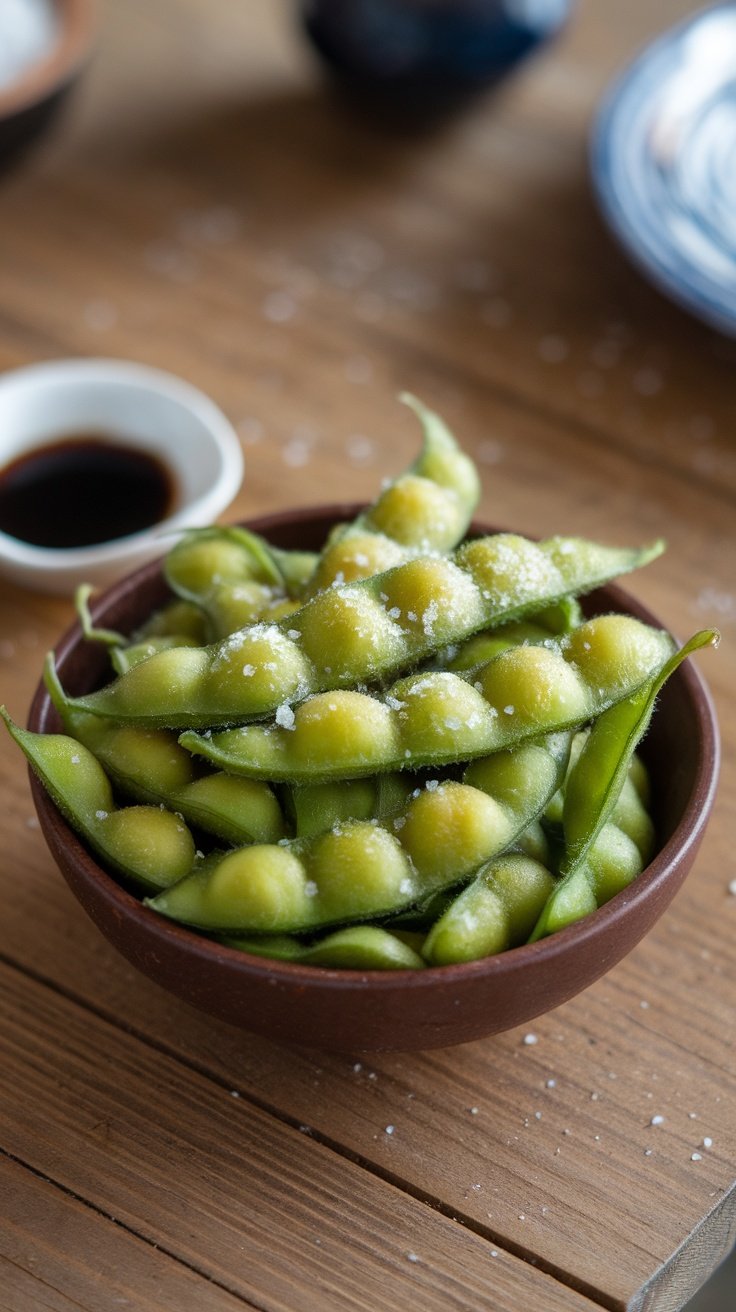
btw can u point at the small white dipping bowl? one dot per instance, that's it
(134, 406)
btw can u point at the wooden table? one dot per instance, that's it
(205, 207)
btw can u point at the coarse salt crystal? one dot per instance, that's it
(285, 716)
(530, 1039)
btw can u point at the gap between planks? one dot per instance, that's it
(486, 1233)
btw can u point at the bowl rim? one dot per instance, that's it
(78, 23)
(77, 373)
(685, 838)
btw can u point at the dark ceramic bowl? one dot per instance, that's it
(29, 104)
(346, 1009)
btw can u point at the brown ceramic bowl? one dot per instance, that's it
(346, 1009)
(29, 103)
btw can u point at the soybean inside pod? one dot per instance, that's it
(147, 844)
(363, 870)
(591, 794)
(428, 508)
(439, 717)
(149, 765)
(361, 632)
(500, 907)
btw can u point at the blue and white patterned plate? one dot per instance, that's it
(664, 163)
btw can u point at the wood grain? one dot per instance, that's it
(205, 207)
(259, 1208)
(60, 1254)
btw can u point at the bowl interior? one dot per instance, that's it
(408, 1009)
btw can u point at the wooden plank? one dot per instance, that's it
(257, 1207)
(59, 1255)
(471, 267)
(693, 1008)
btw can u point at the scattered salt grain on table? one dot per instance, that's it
(278, 307)
(496, 312)
(552, 349)
(648, 381)
(100, 315)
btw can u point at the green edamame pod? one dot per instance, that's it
(177, 619)
(482, 648)
(632, 818)
(123, 659)
(147, 844)
(591, 793)
(358, 947)
(177, 625)
(364, 631)
(532, 843)
(229, 572)
(436, 717)
(554, 621)
(150, 766)
(610, 864)
(496, 911)
(317, 807)
(429, 508)
(361, 871)
(631, 809)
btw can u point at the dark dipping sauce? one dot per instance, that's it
(81, 491)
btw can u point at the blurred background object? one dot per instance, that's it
(426, 55)
(664, 163)
(43, 47)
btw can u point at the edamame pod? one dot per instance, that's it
(552, 622)
(358, 633)
(178, 625)
(496, 911)
(317, 807)
(501, 906)
(147, 844)
(229, 572)
(591, 794)
(429, 508)
(436, 718)
(638, 780)
(150, 765)
(357, 947)
(361, 870)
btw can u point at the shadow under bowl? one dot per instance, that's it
(401, 1010)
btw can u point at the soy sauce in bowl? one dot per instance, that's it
(83, 490)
